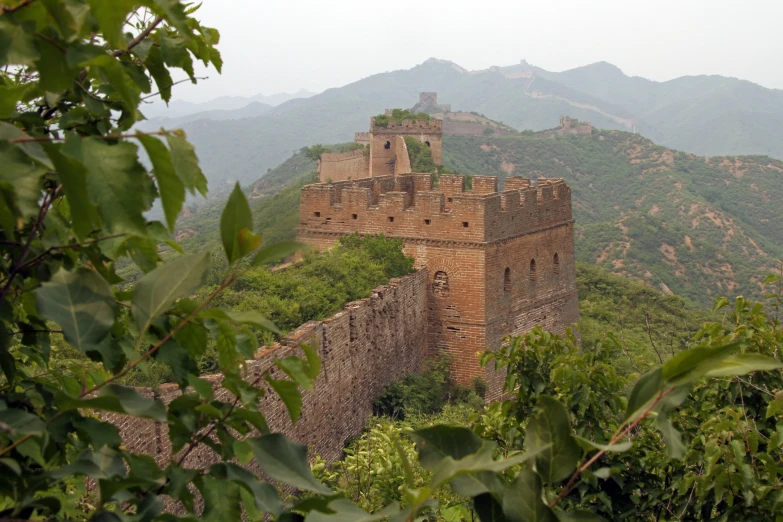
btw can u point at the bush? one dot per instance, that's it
(398, 116)
(426, 393)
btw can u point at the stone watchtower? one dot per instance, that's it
(387, 143)
(498, 263)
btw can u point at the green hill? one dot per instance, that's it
(693, 226)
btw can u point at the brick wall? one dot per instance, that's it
(466, 240)
(341, 166)
(368, 345)
(382, 159)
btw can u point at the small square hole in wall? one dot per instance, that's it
(427, 221)
(465, 224)
(451, 200)
(391, 219)
(355, 216)
(317, 214)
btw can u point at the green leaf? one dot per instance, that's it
(249, 317)
(691, 365)
(178, 481)
(174, 12)
(178, 359)
(81, 302)
(17, 43)
(119, 78)
(19, 422)
(221, 499)
(346, 511)
(522, 501)
(117, 182)
(550, 428)
(277, 252)
(183, 156)
(172, 190)
(290, 395)
(116, 398)
(175, 54)
(7, 361)
(742, 364)
(472, 467)
(579, 515)
(160, 73)
(313, 361)
(236, 222)
(99, 433)
(644, 391)
(157, 291)
(104, 463)
(111, 18)
(774, 407)
(616, 448)
(488, 509)
(55, 73)
(73, 177)
(9, 96)
(298, 370)
(193, 337)
(436, 443)
(286, 461)
(23, 175)
(264, 494)
(674, 446)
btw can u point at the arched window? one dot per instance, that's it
(440, 284)
(556, 264)
(507, 281)
(532, 269)
(387, 145)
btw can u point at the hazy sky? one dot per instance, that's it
(285, 45)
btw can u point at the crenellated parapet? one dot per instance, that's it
(431, 126)
(407, 206)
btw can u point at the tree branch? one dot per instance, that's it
(615, 439)
(140, 38)
(15, 8)
(64, 247)
(173, 84)
(47, 201)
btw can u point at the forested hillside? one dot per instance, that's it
(698, 227)
(704, 114)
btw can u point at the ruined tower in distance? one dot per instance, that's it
(498, 263)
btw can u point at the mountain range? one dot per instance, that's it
(180, 108)
(705, 115)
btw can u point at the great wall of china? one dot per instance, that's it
(490, 264)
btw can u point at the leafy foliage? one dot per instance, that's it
(398, 116)
(695, 438)
(74, 197)
(426, 393)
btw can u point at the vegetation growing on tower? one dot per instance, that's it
(398, 116)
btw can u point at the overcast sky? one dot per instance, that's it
(286, 45)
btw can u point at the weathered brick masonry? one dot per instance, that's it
(498, 263)
(368, 345)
